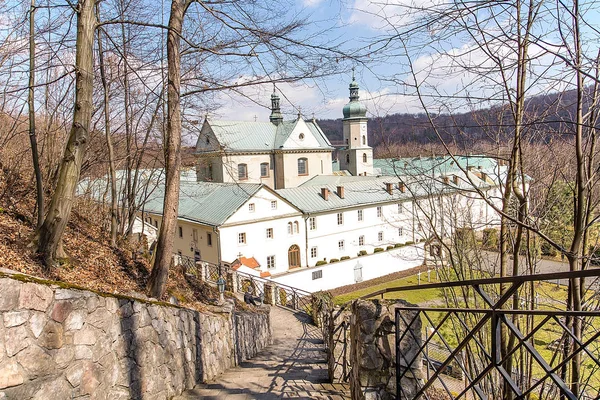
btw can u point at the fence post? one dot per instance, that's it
(231, 281)
(200, 270)
(204, 271)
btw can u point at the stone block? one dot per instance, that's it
(55, 388)
(64, 356)
(75, 320)
(34, 296)
(37, 322)
(15, 318)
(15, 340)
(52, 336)
(10, 374)
(66, 294)
(88, 335)
(61, 310)
(90, 378)
(74, 374)
(83, 352)
(36, 362)
(10, 289)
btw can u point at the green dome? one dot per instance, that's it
(355, 109)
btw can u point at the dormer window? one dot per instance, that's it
(301, 136)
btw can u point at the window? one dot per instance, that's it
(270, 262)
(251, 207)
(296, 227)
(264, 170)
(313, 252)
(340, 219)
(209, 239)
(289, 228)
(364, 138)
(210, 172)
(341, 245)
(156, 223)
(379, 212)
(360, 215)
(195, 234)
(302, 166)
(274, 205)
(242, 171)
(317, 274)
(180, 232)
(400, 208)
(269, 233)
(380, 236)
(361, 240)
(301, 136)
(364, 156)
(347, 158)
(207, 140)
(312, 223)
(400, 231)
(242, 238)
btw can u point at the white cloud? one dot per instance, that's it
(386, 14)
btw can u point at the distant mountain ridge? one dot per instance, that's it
(546, 115)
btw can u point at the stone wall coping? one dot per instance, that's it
(9, 274)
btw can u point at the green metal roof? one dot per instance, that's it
(442, 165)
(208, 203)
(260, 136)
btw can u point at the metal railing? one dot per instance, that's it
(267, 290)
(496, 346)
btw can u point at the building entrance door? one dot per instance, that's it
(294, 256)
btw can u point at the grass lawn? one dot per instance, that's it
(412, 296)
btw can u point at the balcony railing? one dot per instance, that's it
(503, 338)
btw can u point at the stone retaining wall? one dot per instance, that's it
(64, 343)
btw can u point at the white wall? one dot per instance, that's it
(255, 224)
(342, 273)
(328, 233)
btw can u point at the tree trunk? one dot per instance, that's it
(114, 221)
(49, 235)
(172, 147)
(32, 135)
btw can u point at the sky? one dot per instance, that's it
(443, 63)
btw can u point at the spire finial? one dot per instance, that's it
(276, 116)
(353, 73)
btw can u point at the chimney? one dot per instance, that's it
(340, 192)
(455, 179)
(325, 193)
(484, 176)
(446, 180)
(402, 187)
(389, 187)
(470, 167)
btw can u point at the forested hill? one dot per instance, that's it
(546, 115)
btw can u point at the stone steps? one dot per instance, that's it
(294, 366)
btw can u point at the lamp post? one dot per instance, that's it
(221, 287)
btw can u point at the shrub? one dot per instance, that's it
(409, 243)
(490, 238)
(389, 247)
(282, 297)
(344, 258)
(362, 253)
(398, 245)
(548, 250)
(320, 262)
(377, 250)
(333, 260)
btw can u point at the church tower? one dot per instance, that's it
(356, 156)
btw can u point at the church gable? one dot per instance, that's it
(301, 137)
(207, 141)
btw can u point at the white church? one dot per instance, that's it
(265, 198)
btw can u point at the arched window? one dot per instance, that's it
(364, 140)
(289, 228)
(294, 256)
(302, 166)
(347, 158)
(364, 157)
(296, 227)
(242, 171)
